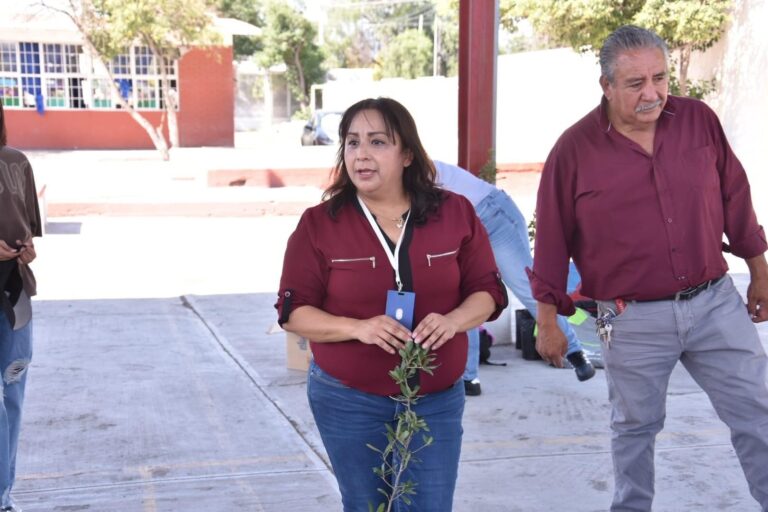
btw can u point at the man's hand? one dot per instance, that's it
(550, 341)
(551, 344)
(757, 292)
(757, 299)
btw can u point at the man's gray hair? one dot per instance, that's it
(627, 37)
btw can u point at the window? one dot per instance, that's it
(146, 92)
(9, 79)
(145, 61)
(64, 76)
(121, 64)
(8, 58)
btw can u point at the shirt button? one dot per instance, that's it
(681, 278)
(669, 220)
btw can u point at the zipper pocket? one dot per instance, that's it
(430, 257)
(372, 259)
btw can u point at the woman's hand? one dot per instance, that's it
(26, 253)
(434, 330)
(383, 331)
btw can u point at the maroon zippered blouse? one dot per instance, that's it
(339, 266)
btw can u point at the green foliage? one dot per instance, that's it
(289, 39)
(685, 25)
(357, 31)
(532, 230)
(447, 27)
(302, 114)
(685, 22)
(166, 26)
(386, 20)
(398, 454)
(696, 88)
(354, 50)
(249, 11)
(488, 171)
(581, 24)
(408, 55)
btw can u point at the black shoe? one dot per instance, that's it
(472, 387)
(581, 365)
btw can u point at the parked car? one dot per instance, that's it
(322, 129)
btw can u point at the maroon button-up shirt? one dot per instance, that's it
(641, 226)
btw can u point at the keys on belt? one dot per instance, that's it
(604, 323)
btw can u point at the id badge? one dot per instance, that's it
(400, 307)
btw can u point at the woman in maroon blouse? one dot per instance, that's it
(385, 226)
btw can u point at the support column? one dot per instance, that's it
(478, 40)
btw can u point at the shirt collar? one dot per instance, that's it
(605, 124)
(602, 112)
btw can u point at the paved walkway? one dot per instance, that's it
(156, 387)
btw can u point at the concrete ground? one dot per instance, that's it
(155, 385)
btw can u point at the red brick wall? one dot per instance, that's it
(207, 98)
(206, 117)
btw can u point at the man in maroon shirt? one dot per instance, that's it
(640, 193)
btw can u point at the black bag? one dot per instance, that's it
(525, 325)
(486, 341)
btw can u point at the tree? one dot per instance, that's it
(581, 24)
(167, 27)
(409, 55)
(685, 25)
(250, 11)
(351, 51)
(359, 32)
(447, 37)
(289, 39)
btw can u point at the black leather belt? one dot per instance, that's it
(688, 293)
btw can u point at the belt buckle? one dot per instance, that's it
(693, 291)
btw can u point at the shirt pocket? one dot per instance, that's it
(441, 258)
(353, 263)
(699, 168)
(351, 278)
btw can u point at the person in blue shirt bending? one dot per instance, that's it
(508, 233)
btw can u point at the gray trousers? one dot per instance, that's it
(718, 344)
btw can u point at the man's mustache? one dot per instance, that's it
(647, 107)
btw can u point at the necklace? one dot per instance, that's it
(399, 221)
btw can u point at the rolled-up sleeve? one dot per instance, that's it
(555, 225)
(478, 266)
(302, 282)
(746, 238)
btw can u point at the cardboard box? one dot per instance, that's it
(297, 352)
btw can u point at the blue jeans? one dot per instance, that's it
(15, 355)
(508, 233)
(349, 420)
(471, 371)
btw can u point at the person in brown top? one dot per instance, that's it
(19, 222)
(640, 193)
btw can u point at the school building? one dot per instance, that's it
(56, 95)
